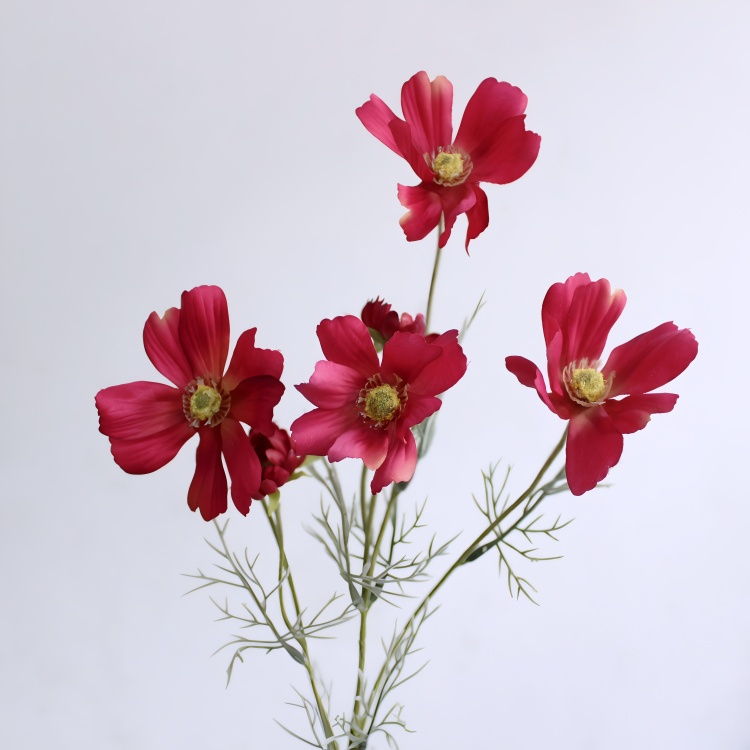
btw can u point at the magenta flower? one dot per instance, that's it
(147, 423)
(366, 408)
(492, 145)
(601, 403)
(278, 459)
(384, 322)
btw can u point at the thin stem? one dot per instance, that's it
(438, 252)
(379, 682)
(285, 574)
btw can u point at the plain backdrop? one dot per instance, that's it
(150, 146)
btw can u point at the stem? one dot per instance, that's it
(379, 682)
(285, 573)
(438, 252)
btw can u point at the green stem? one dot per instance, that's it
(379, 682)
(438, 252)
(285, 573)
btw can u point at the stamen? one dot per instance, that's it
(451, 166)
(586, 385)
(205, 404)
(381, 403)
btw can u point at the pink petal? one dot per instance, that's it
(650, 360)
(376, 115)
(208, 490)
(478, 216)
(491, 104)
(399, 464)
(427, 110)
(530, 375)
(204, 331)
(585, 313)
(508, 155)
(332, 386)
(633, 413)
(145, 424)
(444, 372)
(248, 361)
(360, 441)
(418, 408)
(162, 343)
(253, 401)
(594, 446)
(315, 432)
(424, 209)
(347, 341)
(456, 201)
(407, 354)
(242, 463)
(404, 140)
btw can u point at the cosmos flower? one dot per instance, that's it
(278, 459)
(147, 423)
(601, 403)
(492, 145)
(384, 322)
(366, 408)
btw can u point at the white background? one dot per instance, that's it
(147, 147)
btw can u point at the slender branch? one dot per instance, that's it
(438, 252)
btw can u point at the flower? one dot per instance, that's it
(384, 322)
(366, 408)
(491, 145)
(278, 459)
(147, 423)
(601, 403)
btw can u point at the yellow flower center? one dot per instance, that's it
(587, 384)
(450, 166)
(382, 403)
(205, 402)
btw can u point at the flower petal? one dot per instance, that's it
(376, 116)
(204, 331)
(455, 201)
(208, 490)
(404, 140)
(332, 386)
(399, 464)
(253, 401)
(347, 341)
(248, 361)
(585, 312)
(162, 343)
(478, 216)
(407, 354)
(633, 413)
(508, 155)
(444, 372)
(530, 375)
(650, 360)
(427, 110)
(418, 408)
(145, 424)
(360, 441)
(491, 104)
(424, 209)
(315, 432)
(594, 446)
(242, 463)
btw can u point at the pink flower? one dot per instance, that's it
(491, 145)
(278, 459)
(601, 403)
(366, 408)
(147, 423)
(384, 322)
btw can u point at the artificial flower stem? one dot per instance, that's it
(285, 574)
(368, 570)
(378, 685)
(438, 252)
